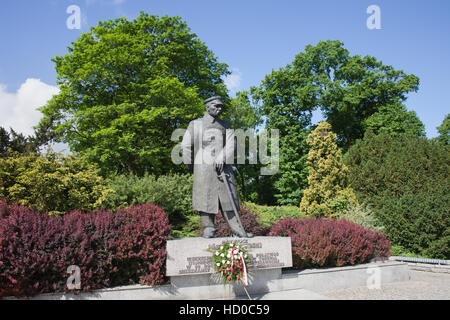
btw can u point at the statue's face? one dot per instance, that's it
(214, 108)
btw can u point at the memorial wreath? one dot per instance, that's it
(231, 262)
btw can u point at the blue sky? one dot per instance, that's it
(252, 37)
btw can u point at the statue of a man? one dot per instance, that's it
(208, 149)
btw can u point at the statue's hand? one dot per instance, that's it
(218, 165)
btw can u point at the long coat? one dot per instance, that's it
(207, 139)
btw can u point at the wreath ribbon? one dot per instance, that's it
(244, 268)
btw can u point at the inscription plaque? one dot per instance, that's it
(190, 256)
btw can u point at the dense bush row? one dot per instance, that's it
(110, 248)
(318, 242)
(128, 246)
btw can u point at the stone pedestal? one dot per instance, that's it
(189, 264)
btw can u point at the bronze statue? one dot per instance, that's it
(208, 150)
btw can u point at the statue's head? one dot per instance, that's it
(214, 106)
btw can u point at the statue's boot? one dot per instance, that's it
(235, 226)
(207, 221)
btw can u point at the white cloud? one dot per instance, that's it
(233, 81)
(18, 110)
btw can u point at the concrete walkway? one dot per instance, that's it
(296, 294)
(421, 286)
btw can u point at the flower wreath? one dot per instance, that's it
(231, 261)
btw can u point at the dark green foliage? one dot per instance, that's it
(405, 180)
(395, 119)
(12, 141)
(292, 117)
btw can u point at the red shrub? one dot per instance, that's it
(249, 222)
(320, 242)
(110, 248)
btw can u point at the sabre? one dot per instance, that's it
(223, 176)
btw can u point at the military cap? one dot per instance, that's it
(213, 98)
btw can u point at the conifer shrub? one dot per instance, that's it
(328, 191)
(319, 242)
(405, 181)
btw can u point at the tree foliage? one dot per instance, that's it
(126, 85)
(444, 131)
(12, 141)
(347, 88)
(328, 190)
(292, 120)
(395, 119)
(405, 181)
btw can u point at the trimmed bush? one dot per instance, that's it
(110, 249)
(318, 242)
(249, 222)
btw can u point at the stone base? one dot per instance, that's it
(209, 286)
(189, 264)
(189, 256)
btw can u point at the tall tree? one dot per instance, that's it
(348, 89)
(126, 85)
(16, 142)
(243, 113)
(285, 102)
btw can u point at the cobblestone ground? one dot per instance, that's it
(421, 286)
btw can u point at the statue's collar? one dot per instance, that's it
(209, 118)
